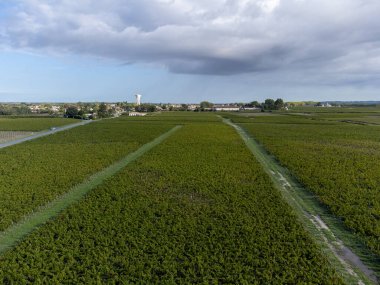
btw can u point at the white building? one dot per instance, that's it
(226, 107)
(136, 114)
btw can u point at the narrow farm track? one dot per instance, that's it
(16, 232)
(344, 250)
(43, 134)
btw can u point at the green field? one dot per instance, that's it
(32, 124)
(197, 209)
(7, 136)
(101, 204)
(336, 160)
(35, 172)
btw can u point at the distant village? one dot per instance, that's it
(94, 110)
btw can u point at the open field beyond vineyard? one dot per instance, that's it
(32, 124)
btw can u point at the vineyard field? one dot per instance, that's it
(337, 161)
(32, 124)
(6, 136)
(35, 172)
(197, 209)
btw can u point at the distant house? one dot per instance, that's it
(136, 114)
(226, 107)
(250, 108)
(192, 107)
(55, 108)
(35, 108)
(324, 105)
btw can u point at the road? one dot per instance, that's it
(44, 133)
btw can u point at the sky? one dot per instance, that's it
(189, 50)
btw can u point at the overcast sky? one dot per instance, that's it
(189, 50)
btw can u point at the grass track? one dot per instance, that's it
(332, 237)
(16, 232)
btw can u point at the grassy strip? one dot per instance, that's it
(307, 207)
(16, 232)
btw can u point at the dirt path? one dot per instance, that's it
(15, 233)
(335, 241)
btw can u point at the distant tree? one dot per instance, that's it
(268, 104)
(71, 112)
(279, 104)
(151, 108)
(206, 104)
(184, 107)
(103, 111)
(23, 110)
(255, 104)
(146, 108)
(4, 110)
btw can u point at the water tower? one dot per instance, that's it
(138, 99)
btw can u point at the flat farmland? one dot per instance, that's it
(36, 172)
(337, 161)
(6, 136)
(196, 209)
(32, 124)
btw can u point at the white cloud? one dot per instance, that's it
(206, 37)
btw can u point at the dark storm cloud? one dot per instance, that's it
(215, 37)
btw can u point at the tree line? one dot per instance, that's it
(267, 105)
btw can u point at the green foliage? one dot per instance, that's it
(35, 172)
(268, 104)
(103, 111)
(177, 117)
(198, 209)
(71, 112)
(337, 161)
(271, 104)
(32, 124)
(279, 104)
(254, 104)
(146, 108)
(206, 104)
(11, 109)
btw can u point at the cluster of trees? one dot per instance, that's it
(183, 107)
(270, 104)
(89, 111)
(267, 105)
(73, 112)
(22, 109)
(146, 108)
